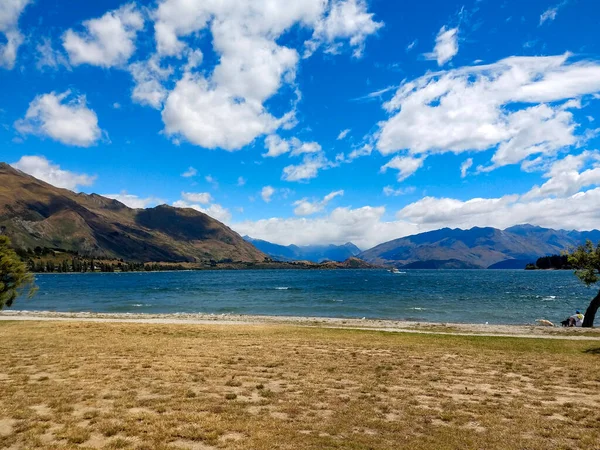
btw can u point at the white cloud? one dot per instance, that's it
(365, 150)
(512, 105)
(465, 166)
(241, 181)
(197, 197)
(213, 118)
(133, 201)
(47, 56)
(68, 121)
(550, 14)
(343, 134)
(389, 191)
(266, 193)
(191, 172)
(226, 108)
(148, 77)
(39, 167)
(215, 210)
(410, 46)
(10, 11)
(345, 19)
(565, 177)
(309, 168)
(304, 207)
(212, 180)
(406, 166)
(578, 211)
(277, 146)
(107, 41)
(364, 227)
(446, 46)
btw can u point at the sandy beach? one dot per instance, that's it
(523, 331)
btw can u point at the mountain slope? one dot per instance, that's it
(477, 247)
(34, 213)
(314, 253)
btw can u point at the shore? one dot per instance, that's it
(523, 331)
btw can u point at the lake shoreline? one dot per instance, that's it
(525, 330)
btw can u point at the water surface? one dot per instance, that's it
(467, 296)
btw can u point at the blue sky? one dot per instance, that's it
(315, 121)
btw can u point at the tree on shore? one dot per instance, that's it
(585, 259)
(14, 276)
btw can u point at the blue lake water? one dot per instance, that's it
(468, 296)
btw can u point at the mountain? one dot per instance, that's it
(476, 248)
(314, 253)
(34, 213)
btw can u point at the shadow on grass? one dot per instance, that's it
(593, 351)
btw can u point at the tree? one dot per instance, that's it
(14, 276)
(585, 259)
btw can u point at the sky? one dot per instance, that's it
(312, 121)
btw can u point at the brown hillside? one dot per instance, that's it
(35, 213)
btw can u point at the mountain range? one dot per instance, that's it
(313, 253)
(36, 214)
(511, 248)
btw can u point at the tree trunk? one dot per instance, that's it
(590, 313)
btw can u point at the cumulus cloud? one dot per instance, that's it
(107, 41)
(149, 77)
(61, 117)
(10, 11)
(266, 193)
(241, 181)
(465, 166)
(191, 172)
(566, 178)
(345, 19)
(215, 210)
(405, 165)
(389, 191)
(226, 109)
(39, 167)
(578, 211)
(446, 46)
(309, 168)
(519, 106)
(277, 146)
(134, 201)
(197, 197)
(212, 118)
(304, 207)
(364, 226)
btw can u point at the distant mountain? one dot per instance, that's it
(36, 214)
(314, 253)
(476, 248)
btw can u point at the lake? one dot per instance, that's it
(466, 296)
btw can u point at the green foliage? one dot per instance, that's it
(14, 276)
(585, 259)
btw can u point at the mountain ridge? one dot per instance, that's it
(35, 213)
(313, 253)
(477, 247)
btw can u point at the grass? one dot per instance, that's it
(146, 386)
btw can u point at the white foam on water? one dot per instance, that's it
(282, 288)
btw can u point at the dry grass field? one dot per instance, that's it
(147, 386)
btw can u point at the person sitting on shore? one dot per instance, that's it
(576, 320)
